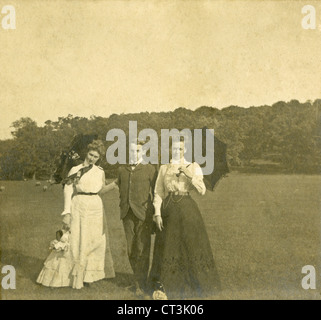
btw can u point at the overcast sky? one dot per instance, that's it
(102, 57)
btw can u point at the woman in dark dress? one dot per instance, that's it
(183, 264)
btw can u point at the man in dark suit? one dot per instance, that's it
(136, 183)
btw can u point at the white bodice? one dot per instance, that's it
(168, 181)
(91, 182)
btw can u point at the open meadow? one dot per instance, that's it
(263, 229)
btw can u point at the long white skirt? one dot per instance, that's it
(89, 257)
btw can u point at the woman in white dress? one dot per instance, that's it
(88, 257)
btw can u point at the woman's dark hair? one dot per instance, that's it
(97, 145)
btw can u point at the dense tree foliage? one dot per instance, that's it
(285, 136)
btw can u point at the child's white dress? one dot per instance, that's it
(88, 257)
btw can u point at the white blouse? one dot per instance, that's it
(168, 181)
(91, 182)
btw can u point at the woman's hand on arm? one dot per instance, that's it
(111, 186)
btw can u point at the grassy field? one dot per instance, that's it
(263, 229)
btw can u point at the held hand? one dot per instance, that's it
(185, 171)
(159, 222)
(66, 221)
(106, 188)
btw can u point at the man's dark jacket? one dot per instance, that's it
(136, 189)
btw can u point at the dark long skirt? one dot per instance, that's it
(183, 261)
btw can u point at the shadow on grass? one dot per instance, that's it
(122, 280)
(28, 267)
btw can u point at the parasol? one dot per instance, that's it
(220, 163)
(73, 155)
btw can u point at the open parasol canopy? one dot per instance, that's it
(220, 163)
(73, 155)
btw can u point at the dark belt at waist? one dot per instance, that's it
(87, 193)
(178, 193)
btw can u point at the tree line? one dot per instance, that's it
(283, 137)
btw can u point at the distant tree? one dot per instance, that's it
(287, 133)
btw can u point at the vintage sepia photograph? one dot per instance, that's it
(160, 150)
